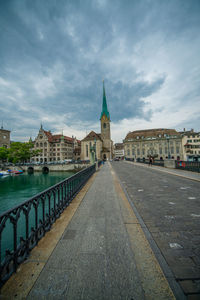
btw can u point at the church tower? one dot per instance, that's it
(105, 129)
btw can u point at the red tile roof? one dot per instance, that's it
(52, 138)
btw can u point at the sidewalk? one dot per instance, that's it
(103, 253)
(182, 173)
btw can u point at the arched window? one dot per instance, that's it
(104, 125)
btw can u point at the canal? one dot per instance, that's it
(16, 189)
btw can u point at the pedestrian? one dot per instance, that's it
(150, 161)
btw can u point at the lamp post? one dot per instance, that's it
(95, 153)
(168, 147)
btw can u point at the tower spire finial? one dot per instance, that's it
(104, 105)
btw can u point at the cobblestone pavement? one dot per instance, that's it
(169, 206)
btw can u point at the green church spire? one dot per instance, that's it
(104, 105)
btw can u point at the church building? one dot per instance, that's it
(98, 146)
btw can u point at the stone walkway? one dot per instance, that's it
(103, 252)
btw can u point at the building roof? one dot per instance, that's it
(104, 105)
(160, 132)
(92, 135)
(119, 146)
(53, 138)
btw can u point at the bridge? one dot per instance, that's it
(132, 232)
(52, 168)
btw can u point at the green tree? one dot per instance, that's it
(3, 154)
(21, 152)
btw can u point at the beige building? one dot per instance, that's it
(191, 145)
(4, 138)
(54, 147)
(158, 143)
(119, 150)
(99, 145)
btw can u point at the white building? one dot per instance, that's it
(191, 145)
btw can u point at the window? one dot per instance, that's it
(160, 150)
(172, 149)
(133, 152)
(177, 150)
(104, 125)
(4, 137)
(143, 151)
(128, 152)
(138, 151)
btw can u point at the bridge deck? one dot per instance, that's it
(102, 253)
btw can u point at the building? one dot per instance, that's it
(4, 138)
(191, 145)
(54, 147)
(158, 143)
(99, 145)
(119, 150)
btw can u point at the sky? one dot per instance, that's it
(55, 54)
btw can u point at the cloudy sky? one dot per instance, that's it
(55, 54)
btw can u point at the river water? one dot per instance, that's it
(16, 189)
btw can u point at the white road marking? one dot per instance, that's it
(170, 217)
(194, 215)
(172, 203)
(191, 198)
(175, 246)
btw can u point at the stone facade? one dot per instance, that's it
(91, 145)
(4, 138)
(191, 145)
(158, 143)
(54, 147)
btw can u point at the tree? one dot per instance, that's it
(21, 152)
(3, 154)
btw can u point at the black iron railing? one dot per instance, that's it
(193, 166)
(23, 226)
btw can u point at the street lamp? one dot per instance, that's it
(169, 156)
(95, 153)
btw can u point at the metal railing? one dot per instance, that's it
(193, 166)
(22, 227)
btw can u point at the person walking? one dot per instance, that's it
(150, 160)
